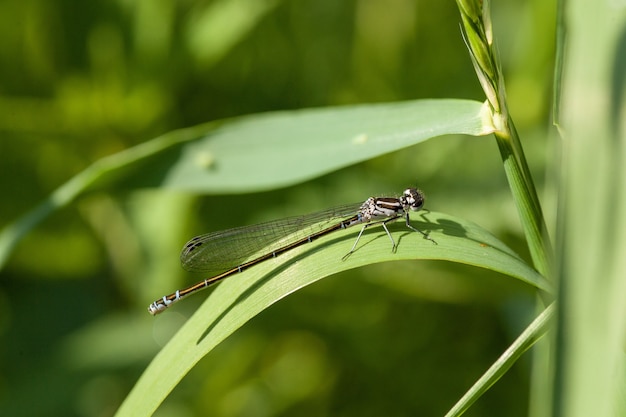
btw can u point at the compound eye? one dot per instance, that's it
(414, 198)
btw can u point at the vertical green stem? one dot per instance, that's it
(525, 196)
(477, 30)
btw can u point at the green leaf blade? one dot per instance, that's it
(535, 331)
(264, 151)
(261, 152)
(238, 299)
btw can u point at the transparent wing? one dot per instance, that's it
(219, 251)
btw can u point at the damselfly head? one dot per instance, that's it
(413, 199)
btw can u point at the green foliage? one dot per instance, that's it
(282, 86)
(238, 300)
(590, 335)
(259, 152)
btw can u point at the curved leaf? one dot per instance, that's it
(259, 152)
(283, 148)
(240, 298)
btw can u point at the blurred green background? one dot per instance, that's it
(82, 80)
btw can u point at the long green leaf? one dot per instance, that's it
(525, 341)
(264, 151)
(240, 298)
(591, 330)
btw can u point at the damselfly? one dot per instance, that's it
(232, 251)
